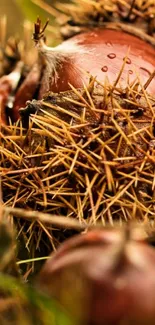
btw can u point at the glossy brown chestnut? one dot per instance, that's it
(27, 90)
(100, 53)
(8, 85)
(103, 278)
(5, 89)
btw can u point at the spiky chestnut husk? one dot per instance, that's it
(114, 14)
(100, 185)
(93, 162)
(103, 277)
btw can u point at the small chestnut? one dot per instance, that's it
(27, 90)
(5, 89)
(8, 85)
(103, 277)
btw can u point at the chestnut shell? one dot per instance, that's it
(103, 280)
(100, 53)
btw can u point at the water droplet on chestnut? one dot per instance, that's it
(109, 44)
(111, 55)
(104, 68)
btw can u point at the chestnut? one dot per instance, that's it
(118, 58)
(100, 53)
(8, 85)
(27, 90)
(103, 277)
(5, 89)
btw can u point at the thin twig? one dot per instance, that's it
(56, 220)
